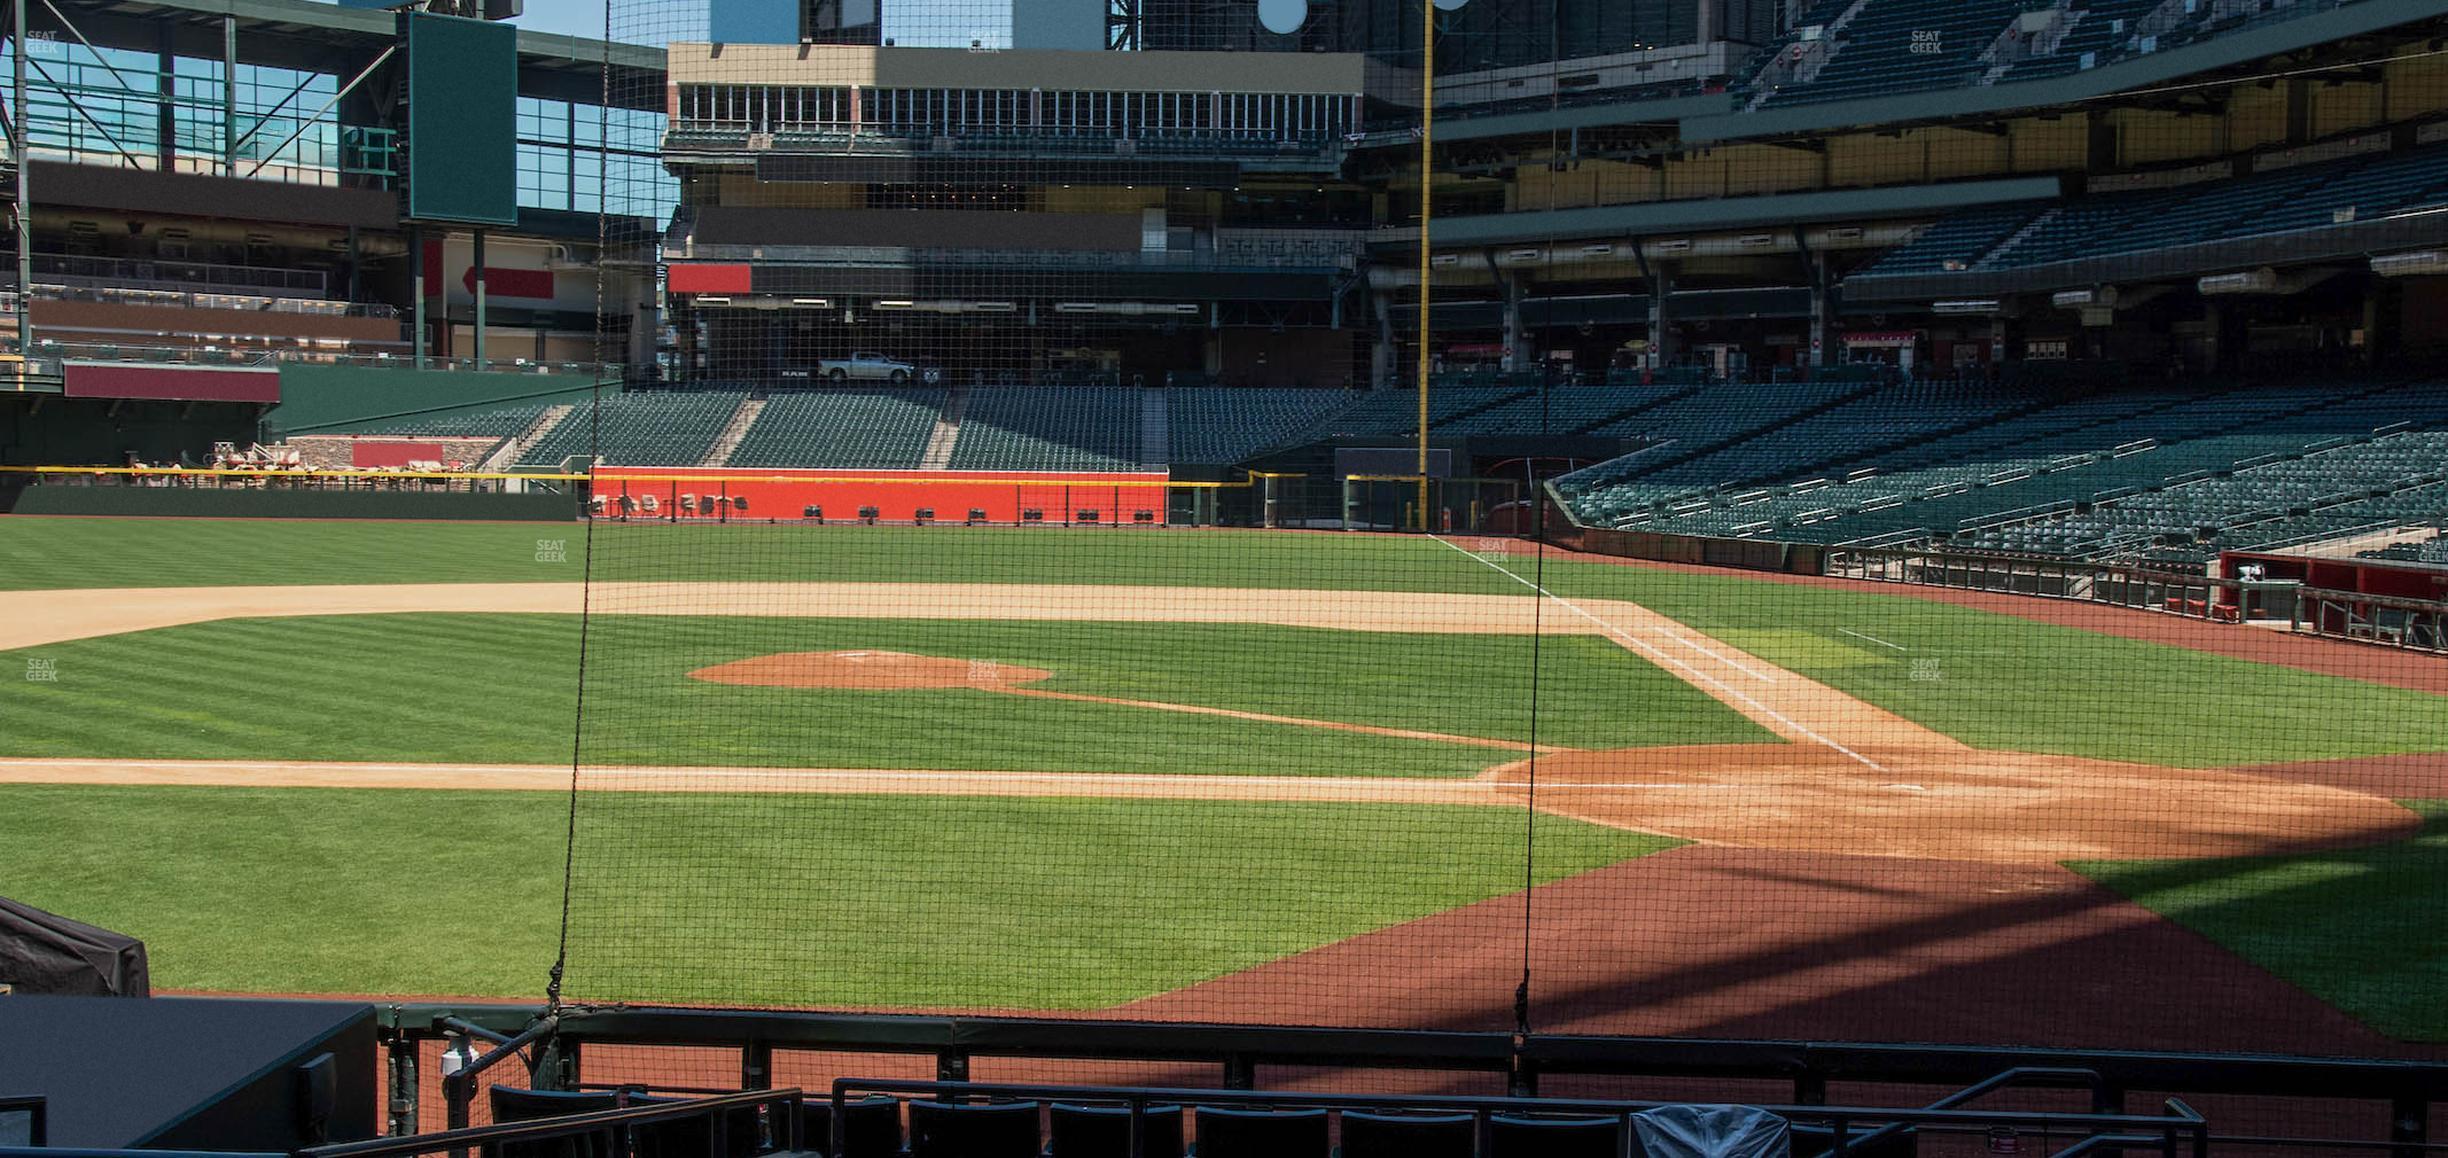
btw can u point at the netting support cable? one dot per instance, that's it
(1538, 608)
(586, 572)
(569, 845)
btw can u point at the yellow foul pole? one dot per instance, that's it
(1427, 168)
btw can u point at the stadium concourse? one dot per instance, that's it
(983, 580)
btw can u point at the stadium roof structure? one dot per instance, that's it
(304, 32)
(2224, 50)
(1721, 117)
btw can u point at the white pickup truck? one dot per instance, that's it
(866, 366)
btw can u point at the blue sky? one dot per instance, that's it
(571, 17)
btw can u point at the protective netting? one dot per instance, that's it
(1022, 583)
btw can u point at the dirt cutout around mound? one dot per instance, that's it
(867, 671)
(886, 671)
(1952, 804)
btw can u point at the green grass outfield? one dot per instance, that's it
(2364, 929)
(498, 689)
(1080, 903)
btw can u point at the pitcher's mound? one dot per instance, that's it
(866, 671)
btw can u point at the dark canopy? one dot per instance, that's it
(47, 953)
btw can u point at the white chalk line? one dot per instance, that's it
(1873, 639)
(1288, 785)
(1692, 673)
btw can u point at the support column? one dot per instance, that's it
(479, 269)
(644, 324)
(25, 201)
(1824, 303)
(1661, 331)
(229, 96)
(416, 294)
(165, 94)
(2100, 140)
(2299, 110)
(1382, 351)
(2382, 303)
(1516, 352)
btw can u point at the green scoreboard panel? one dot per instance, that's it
(462, 120)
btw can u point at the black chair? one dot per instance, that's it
(743, 1133)
(988, 1130)
(871, 1126)
(1522, 1136)
(1260, 1133)
(513, 1104)
(1408, 1135)
(1104, 1132)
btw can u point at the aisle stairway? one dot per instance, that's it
(1155, 430)
(946, 435)
(729, 440)
(507, 453)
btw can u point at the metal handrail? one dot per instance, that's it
(2056, 1077)
(2107, 1128)
(573, 1125)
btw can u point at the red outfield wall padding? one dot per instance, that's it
(172, 383)
(372, 453)
(1003, 495)
(707, 278)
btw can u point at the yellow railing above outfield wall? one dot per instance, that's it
(377, 475)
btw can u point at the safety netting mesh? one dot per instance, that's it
(1021, 583)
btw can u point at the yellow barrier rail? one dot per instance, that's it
(398, 475)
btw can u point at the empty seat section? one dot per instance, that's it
(640, 428)
(881, 429)
(1219, 426)
(1893, 46)
(2315, 195)
(1084, 428)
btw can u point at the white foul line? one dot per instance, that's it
(1873, 639)
(1669, 633)
(1660, 656)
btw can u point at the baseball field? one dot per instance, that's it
(1218, 775)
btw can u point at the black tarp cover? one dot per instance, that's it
(47, 953)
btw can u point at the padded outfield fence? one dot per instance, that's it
(633, 494)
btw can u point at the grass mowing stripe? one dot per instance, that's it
(496, 689)
(2362, 929)
(73, 552)
(374, 891)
